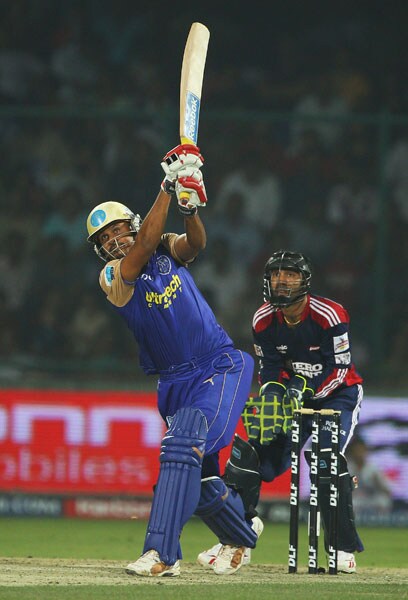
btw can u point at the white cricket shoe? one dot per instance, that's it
(207, 558)
(150, 565)
(346, 563)
(231, 558)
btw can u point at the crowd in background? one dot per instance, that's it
(298, 155)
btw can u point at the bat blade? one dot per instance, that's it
(191, 83)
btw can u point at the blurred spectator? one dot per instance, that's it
(74, 57)
(47, 329)
(52, 157)
(352, 201)
(308, 175)
(259, 188)
(320, 110)
(27, 202)
(342, 275)
(16, 269)
(350, 81)
(9, 319)
(222, 280)
(67, 219)
(88, 332)
(397, 175)
(242, 238)
(373, 492)
(21, 75)
(131, 178)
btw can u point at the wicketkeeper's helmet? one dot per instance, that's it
(288, 261)
(104, 215)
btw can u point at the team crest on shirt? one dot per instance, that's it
(163, 264)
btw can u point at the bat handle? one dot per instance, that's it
(184, 196)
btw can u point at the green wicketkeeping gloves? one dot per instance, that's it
(271, 413)
(296, 391)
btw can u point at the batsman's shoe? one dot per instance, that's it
(150, 565)
(346, 563)
(231, 558)
(207, 558)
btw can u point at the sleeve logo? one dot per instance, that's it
(343, 358)
(109, 275)
(341, 343)
(258, 350)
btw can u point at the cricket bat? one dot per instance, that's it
(191, 83)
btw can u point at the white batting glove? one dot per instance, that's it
(180, 157)
(191, 193)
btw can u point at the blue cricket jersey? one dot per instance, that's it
(167, 314)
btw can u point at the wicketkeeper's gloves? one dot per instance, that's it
(296, 391)
(263, 416)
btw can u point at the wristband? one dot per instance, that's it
(186, 211)
(168, 186)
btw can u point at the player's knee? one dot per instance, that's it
(184, 441)
(214, 492)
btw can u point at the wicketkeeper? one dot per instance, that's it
(302, 342)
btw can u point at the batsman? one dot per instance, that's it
(303, 346)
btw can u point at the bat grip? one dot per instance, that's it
(184, 196)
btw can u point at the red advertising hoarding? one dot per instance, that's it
(73, 442)
(79, 442)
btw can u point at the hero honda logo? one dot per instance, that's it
(191, 117)
(81, 426)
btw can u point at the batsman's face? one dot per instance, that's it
(116, 239)
(285, 282)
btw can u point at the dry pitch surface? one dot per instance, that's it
(53, 571)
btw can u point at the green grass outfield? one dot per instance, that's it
(49, 559)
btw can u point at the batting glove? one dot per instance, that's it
(190, 191)
(180, 157)
(168, 186)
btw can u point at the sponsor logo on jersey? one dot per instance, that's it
(258, 350)
(282, 349)
(307, 369)
(341, 343)
(109, 276)
(163, 264)
(342, 359)
(169, 294)
(312, 348)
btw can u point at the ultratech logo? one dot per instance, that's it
(169, 294)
